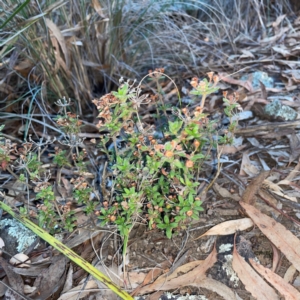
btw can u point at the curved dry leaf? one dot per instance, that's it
(163, 283)
(284, 288)
(229, 227)
(254, 284)
(217, 287)
(282, 238)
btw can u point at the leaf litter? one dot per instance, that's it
(274, 52)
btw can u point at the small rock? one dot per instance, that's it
(276, 109)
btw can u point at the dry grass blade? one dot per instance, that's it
(58, 35)
(252, 281)
(229, 227)
(282, 238)
(285, 289)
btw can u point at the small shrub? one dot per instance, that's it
(156, 171)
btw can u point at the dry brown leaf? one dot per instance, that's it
(60, 38)
(264, 93)
(272, 186)
(291, 175)
(284, 288)
(267, 208)
(153, 274)
(68, 186)
(254, 284)
(217, 287)
(295, 147)
(276, 189)
(246, 54)
(24, 68)
(155, 295)
(250, 191)
(225, 193)
(163, 283)
(31, 271)
(227, 149)
(247, 167)
(282, 50)
(51, 279)
(135, 279)
(275, 37)
(246, 84)
(6, 88)
(229, 227)
(69, 280)
(186, 268)
(296, 75)
(113, 272)
(98, 8)
(79, 291)
(282, 238)
(82, 236)
(15, 281)
(3, 286)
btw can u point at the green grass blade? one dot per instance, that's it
(19, 8)
(67, 252)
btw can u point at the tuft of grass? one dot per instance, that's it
(56, 49)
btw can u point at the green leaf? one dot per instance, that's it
(161, 226)
(12, 14)
(197, 156)
(166, 219)
(178, 163)
(174, 127)
(168, 146)
(169, 233)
